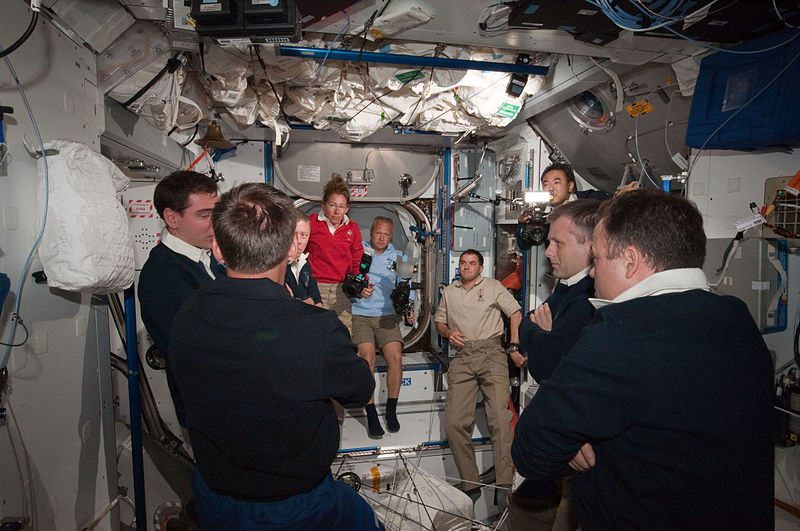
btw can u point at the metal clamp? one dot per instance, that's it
(37, 153)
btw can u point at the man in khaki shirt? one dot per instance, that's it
(469, 317)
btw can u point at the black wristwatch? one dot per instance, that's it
(513, 347)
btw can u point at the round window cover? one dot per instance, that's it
(592, 111)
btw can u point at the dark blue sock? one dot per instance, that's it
(392, 424)
(374, 428)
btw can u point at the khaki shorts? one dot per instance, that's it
(376, 330)
(334, 298)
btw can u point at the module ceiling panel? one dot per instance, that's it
(457, 24)
(724, 22)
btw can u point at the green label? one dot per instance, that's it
(411, 75)
(508, 110)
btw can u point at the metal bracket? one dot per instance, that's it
(37, 153)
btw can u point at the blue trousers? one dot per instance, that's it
(330, 505)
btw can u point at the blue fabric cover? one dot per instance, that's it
(5, 286)
(330, 505)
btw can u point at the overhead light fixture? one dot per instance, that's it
(213, 138)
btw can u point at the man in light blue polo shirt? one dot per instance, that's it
(376, 323)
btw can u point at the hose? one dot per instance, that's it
(24, 37)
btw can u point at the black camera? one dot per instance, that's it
(533, 232)
(353, 284)
(401, 298)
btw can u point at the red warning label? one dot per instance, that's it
(140, 208)
(359, 191)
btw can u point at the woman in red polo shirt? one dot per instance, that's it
(334, 248)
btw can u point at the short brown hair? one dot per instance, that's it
(474, 253)
(300, 215)
(583, 215)
(666, 228)
(174, 190)
(254, 226)
(336, 186)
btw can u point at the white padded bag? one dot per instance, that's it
(86, 245)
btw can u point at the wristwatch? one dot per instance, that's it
(513, 347)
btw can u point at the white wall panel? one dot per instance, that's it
(723, 183)
(60, 379)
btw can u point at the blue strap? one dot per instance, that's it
(5, 286)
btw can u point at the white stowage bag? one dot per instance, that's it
(87, 244)
(407, 498)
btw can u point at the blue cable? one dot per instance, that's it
(668, 23)
(345, 28)
(780, 16)
(493, 29)
(21, 283)
(740, 52)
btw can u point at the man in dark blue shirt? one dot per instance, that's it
(181, 262)
(651, 403)
(550, 331)
(553, 328)
(257, 384)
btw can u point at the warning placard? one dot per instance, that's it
(640, 107)
(140, 208)
(359, 191)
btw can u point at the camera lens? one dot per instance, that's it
(534, 231)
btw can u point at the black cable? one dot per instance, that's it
(275, 92)
(203, 62)
(196, 128)
(19, 320)
(739, 236)
(202, 58)
(414, 485)
(171, 66)
(378, 98)
(796, 348)
(384, 7)
(367, 26)
(421, 97)
(24, 37)
(280, 103)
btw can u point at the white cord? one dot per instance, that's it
(615, 78)
(26, 267)
(728, 260)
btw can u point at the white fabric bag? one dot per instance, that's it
(86, 245)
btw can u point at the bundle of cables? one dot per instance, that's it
(649, 15)
(634, 15)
